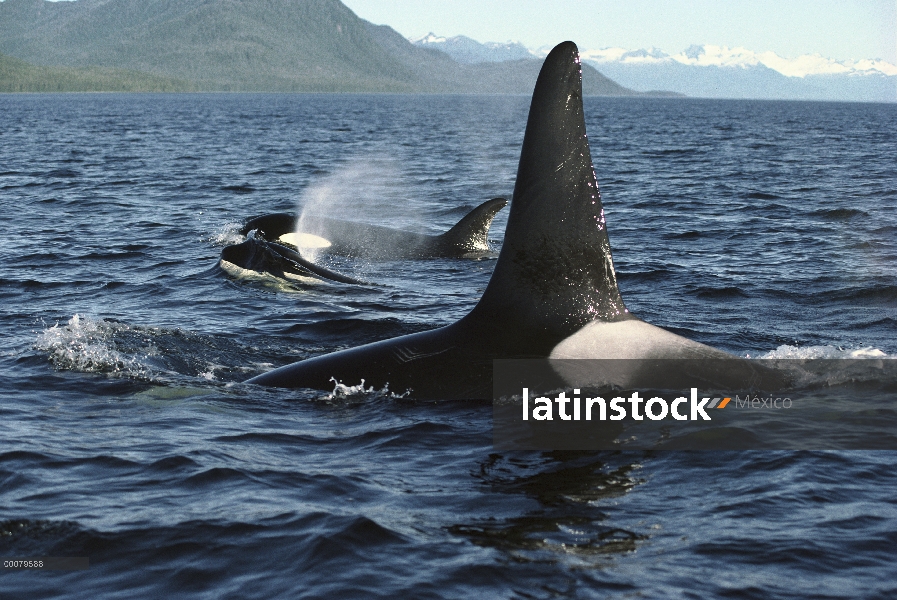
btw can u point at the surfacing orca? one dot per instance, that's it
(348, 238)
(259, 256)
(553, 292)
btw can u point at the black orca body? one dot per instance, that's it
(257, 255)
(553, 292)
(348, 238)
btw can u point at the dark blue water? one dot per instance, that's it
(763, 228)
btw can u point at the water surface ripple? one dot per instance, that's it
(126, 435)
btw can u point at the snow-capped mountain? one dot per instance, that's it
(722, 56)
(469, 51)
(708, 71)
(722, 72)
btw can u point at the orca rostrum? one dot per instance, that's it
(360, 240)
(553, 293)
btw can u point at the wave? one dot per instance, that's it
(88, 345)
(354, 331)
(312, 544)
(656, 274)
(62, 173)
(685, 235)
(226, 235)
(840, 214)
(144, 353)
(674, 151)
(884, 294)
(455, 211)
(711, 293)
(348, 392)
(239, 189)
(817, 352)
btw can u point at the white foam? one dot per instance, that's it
(85, 344)
(342, 391)
(210, 374)
(94, 345)
(811, 352)
(227, 235)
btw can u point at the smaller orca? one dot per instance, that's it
(358, 240)
(257, 255)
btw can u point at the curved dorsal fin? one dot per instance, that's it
(555, 273)
(469, 234)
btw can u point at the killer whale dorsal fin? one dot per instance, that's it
(555, 271)
(469, 234)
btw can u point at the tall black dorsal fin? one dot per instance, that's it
(470, 233)
(555, 272)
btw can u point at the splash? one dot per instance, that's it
(833, 366)
(92, 345)
(815, 352)
(340, 390)
(226, 235)
(88, 345)
(344, 392)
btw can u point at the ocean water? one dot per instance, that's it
(127, 435)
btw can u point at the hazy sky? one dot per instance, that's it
(839, 29)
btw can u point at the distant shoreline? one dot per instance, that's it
(437, 94)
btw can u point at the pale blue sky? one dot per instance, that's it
(839, 29)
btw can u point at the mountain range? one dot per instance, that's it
(236, 45)
(469, 51)
(721, 72)
(710, 71)
(322, 46)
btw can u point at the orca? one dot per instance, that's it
(259, 256)
(553, 293)
(359, 240)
